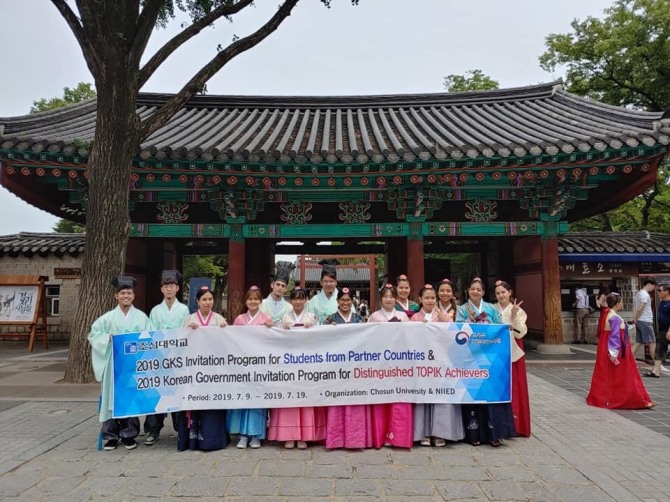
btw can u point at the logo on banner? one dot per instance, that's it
(462, 338)
(130, 348)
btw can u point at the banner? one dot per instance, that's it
(260, 367)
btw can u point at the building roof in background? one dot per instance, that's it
(345, 274)
(42, 244)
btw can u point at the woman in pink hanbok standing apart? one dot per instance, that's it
(436, 422)
(347, 426)
(307, 423)
(392, 423)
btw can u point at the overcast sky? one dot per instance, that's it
(377, 47)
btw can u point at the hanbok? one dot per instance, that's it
(275, 309)
(438, 420)
(392, 423)
(410, 308)
(520, 399)
(616, 385)
(307, 423)
(113, 322)
(348, 426)
(164, 317)
(202, 429)
(249, 422)
(485, 422)
(322, 306)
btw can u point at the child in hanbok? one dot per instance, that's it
(297, 426)
(616, 382)
(484, 422)
(203, 429)
(123, 319)
(250, 424)
(347, 426)
(513, 315)
(435, 423)
(392, 423)
(403, 303)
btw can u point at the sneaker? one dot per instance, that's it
(302, 445)
(111, 444)
(255, 442)
(129, 443)
(664, 369)
(289, 445)
(151, 439)
(243, 442)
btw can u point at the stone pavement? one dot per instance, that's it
(576, 452)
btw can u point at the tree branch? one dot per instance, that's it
(75, 26)
(185, 35)
(193, 86)
(146, 22)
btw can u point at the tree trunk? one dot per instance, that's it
(107, 219)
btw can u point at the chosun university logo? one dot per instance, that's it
(462, 338)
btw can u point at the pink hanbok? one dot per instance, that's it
(297, 424)
(392, 423)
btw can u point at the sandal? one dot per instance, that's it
(302, 445)
(439, 442)
(475, 443)
(496, 442)
(425, 441)
(289, 445)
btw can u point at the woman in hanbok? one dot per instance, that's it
(403, 303)
(616, 382)
(202, 429)
(250, 424)
(446, 301)
(513, 315)
(439, 422)
(297, 426)
(484, 422)
(347, 426)
(392, 423)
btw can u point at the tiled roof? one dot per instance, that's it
(29, 244)
(345, 275)
(533, 120)
(614, 242)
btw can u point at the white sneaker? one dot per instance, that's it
(663, 368)
(243, 442)
(255, 442)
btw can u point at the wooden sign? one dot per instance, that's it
(22, 303)
(67, 273)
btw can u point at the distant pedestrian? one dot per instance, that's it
(643, 317)
(663, 334)
(123, 319)
(581, 304)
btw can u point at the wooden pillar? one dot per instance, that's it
(395, 259)
(374, 295)
(415, 258)
(551, 291)
(236, 270)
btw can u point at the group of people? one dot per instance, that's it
(351, 426)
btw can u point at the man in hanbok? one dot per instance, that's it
(325, 302)
(123, 319)
(169, 314)
(275, 305)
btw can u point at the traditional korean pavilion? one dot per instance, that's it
(499, 173)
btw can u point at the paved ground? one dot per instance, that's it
(577, 453)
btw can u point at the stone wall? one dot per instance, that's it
(58, 327)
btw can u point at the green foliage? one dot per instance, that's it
(82, 92)
(68, 227)
(622, 59)
(473, 80)
(205, 266)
